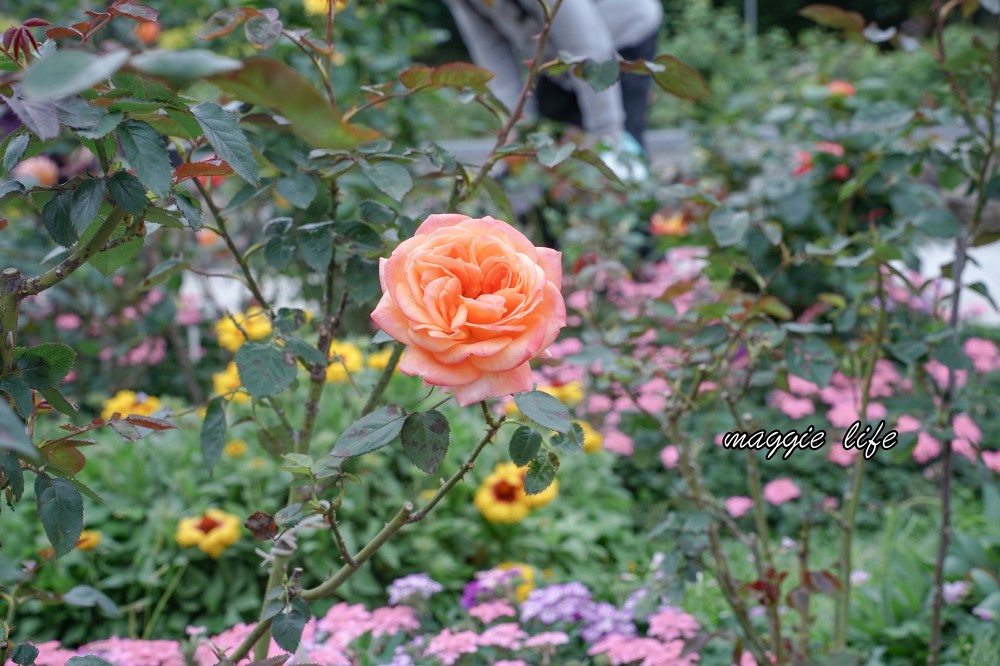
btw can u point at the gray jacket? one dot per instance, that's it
(500, 36)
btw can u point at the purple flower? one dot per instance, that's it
(603, 619)
(953, 592)
(484, 587)
(414, 586)
(556, 603)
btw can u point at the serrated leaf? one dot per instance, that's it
(67, 72)
(109, 261)
(601, 75)
(86, 203)
(316, 247)
(147, 155)
(190, 208)
(128, 193)
(426, 436)
(389, 177)
(286, 627)
(223, 132)
(541, 473)
(544, 409)
(278, 251)
(376, 213)
(60, 403)
(571, 443)
(41, 118)
(20, 394)
(264, 370)
(182, 67)
(304, 350)
(371, 432)
(382, 337)
(15, 149)
(678, 78)
(24, 654)
(60, 508)
(104, 126)
(56, 216)
(67, 458)
(460, 75)
(77, 113)
(221, 23)
(213, 433)
(212, 167)
(11, 468)
(44, 366)
(299, 189)
(524, 445)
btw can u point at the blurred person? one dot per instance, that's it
(501, 34)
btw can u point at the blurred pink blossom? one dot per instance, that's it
(800, 386)
(669, 456)
(738, 505)
(992, 461)
(840, 455)
(927, 448)
(492, 610)
(781, 490)
(670, 623)
(507, 635)
(618, 442)
(547, 638)
(449, 647)
(68, 321)
(907, 423)
(984, 354)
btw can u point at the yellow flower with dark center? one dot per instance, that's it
(345, 359)
(227, 381)
(501, 497)
(526, 572)
(592, 439)
(236, 448)
(314, 7)
(255, 322)
(89, 540)
(213, 532)
(130, 402)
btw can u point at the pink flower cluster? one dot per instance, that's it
(645, 651)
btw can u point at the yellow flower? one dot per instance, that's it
(569, 393)
(314, 7)
(345, 358)
(212, 531)
(130, 402)
(236, 448)
(592, 439)
(229, 380)
(527, 574)
(379, 360)
(510, 407)
(257, 463)
(255, 322)
(89, 539)
(176, 38)
(501, 497)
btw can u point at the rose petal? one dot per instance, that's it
(494, 385)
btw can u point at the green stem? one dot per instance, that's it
(10, 283)
(161, 604)
(383, 381)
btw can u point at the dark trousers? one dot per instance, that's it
(559, 104)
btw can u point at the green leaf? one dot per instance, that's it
(601, 75)
(377, 213)
(299, 189)
(213, 433)
(460, 75)
(41, 118)
(24, 654)
(278, 251)
(60, 508)
(834, 17)
(76, 113)
(224, 133)
(104, 126)
(426, 436)
(544, 409)
(190, 208)
(86, 596)
(371, 432)
(316, 245)
(163, 272)
(60, 403)
(677, 78)
(593, 159)
(70, 71)
(88, 660)
(984, 291)
(541, 473)
(273, 84)
(162, 217)
(262, 32)
(570, 443)
(56, 217)
(147, 155)
(389, 177)
(524, 445)
(812, 359)
(728, 226)
(45, 365)
(181, 67)
(128, 193)
(264, 370)
(553, 155)
(286, 627)
(15, 149)
(865, 174)
(13, 435)
(86, 203)
(20, 394)
(109, 261)
(937, 223)
(11, 468)
(304, 350)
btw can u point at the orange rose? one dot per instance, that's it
(473, 300)
(840, 88)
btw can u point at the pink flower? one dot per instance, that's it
(830, 148)
(738, 505)
(781, 490)
(842, 414)
(492, 610)
(840, 88)
(671, 623)
(984, 354)
(939, 373)
(68, 321)
(618, 442)
(829, 503)
(474, 301)
(992, 461)
(963, 448)
(800, 386)
(952, 593)
(393, 619)
(927, 448)
(547, 639)
(510, 662)
(449, 647)
(840, 455)
(507, 636)
(37, 170)
(791, 406)
(965, 428)
(669, 456)
(907, 423)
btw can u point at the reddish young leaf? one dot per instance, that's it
(262, 526)
(416, 76)
(135, 12)
(222, 23)
(834, 17)
(150, 422)
(68, 458)
(214, 167)
(8, 37)
(83, 27)
(35, 23)
(60, 31)
(3, 223)
(97, 14)
(461, 75)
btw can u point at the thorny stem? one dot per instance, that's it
(383, 380)
(515, 115)
(237, 255)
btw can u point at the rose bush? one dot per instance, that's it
(473, 300)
